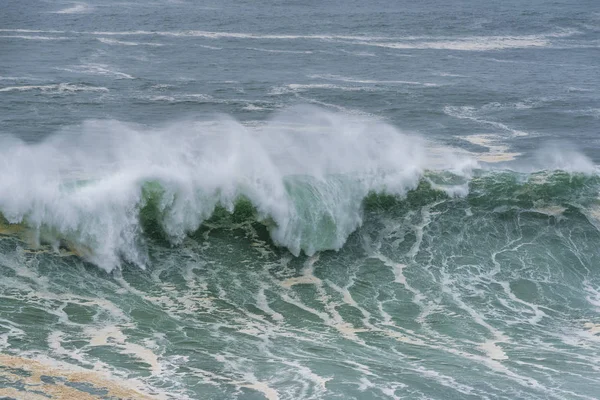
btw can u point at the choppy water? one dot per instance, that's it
(296, 200)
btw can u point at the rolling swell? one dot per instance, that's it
(106, 190)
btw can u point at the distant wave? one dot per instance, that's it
(32, 31)
(211, 47)
(98, 69)
(280, 51)
(358, 53)
(466, 44)
(180, 98)
(297, 87)
(303, 87)
(77, 8)
(19, 78)
(371, 81)
(35, 37)
(55, 88)
(458, 43)
(125, 43)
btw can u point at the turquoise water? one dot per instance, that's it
(273, 200)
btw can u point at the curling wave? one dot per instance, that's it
(306, 174)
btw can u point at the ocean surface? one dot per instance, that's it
(299, 199)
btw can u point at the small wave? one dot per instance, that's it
(31, 31)
(460, 43)
(98, 69)
(372, 81)
(237, 35)
(297, 87)
(77, 8)
(35, 37)
(280, 51)
(181, 98)
(474, 43)
(358, 53)
(525, 104)
(586, 112)
(125, 43)
(55, 88)
(205, 46)
(578, 89)
(450, 75)
(253, 107)
(18, 78)
(353, 112)
(162, 86)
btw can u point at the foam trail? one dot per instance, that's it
(306, 172)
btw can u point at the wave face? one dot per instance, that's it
(102, 189)
(306, 172)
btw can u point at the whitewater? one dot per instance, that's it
(306, 172)
(299, 201)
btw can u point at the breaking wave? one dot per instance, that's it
(105, 188)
